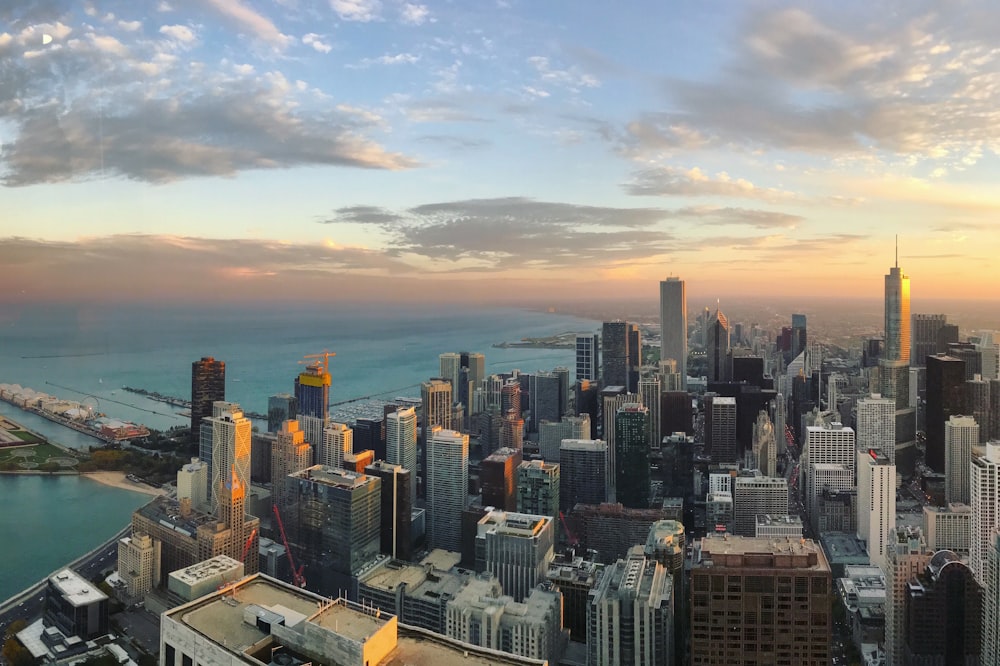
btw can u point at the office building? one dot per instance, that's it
(139, 564)
(616, 353)
(612, 399)
(208, 385)
(74, 606)
(765, 447)
(630, 614)
(516, 548)
(401, 444)
(754, 495)
(761, 578)
(544, 398)
(193, 485)
(447, 487)
(396, 508)
(510, 397)
(281, 407)
(944, 606)
(876, 503)
(512, 431)
(877, 425)
(498, 477)
(290, 453)
(720, 428)
(370, 434)
(945, 398)
(778, 526)
(719, 512)
(312, 391)
(451, 366)
(552, 433)
(538, 488)
(261, 620)
(831, 444)
(799, 337)
(676, 414)
(337, 521)
(356, 462)
(897, 316)
(984, 498)
(926, 334)
(990, 653)
(961, 433)
(436, 400)
(906, 557)
(481, 615)
(948, 528)
(673, 326)
(574, 577)
(230, 468)
(338, 441)
(611, 529)
(583, 472)
(632, 474)
(665, 544)
(649, 396)
(717, 348)
(977, 405)
(587, 358)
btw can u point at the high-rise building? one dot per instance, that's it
(977, 404)
(717, 348)
(765, 453)
(632, 476)
(828, 444)
(673, 325)
(945, 398)
(575, 577)
(498, 477)
(516, 548)
(208, 385)
(720, 428)
(897, 315)
(280, 408)
(906, 556)
(447, 487)
(512, 431)
(990, 653)
(436, 402)
(948, 527)
(312, 391)
(451, 365)
(944, 608)
(969, 353)
(544, 398)
(338, 441)
(396, 508)
(634, 357)
(510, 398)
(961, 433)
(337, 522)
(630, 614)
(799, 337)
(139, 564)
(583, 471)
(289, 454)
(649, 394)
(401, 444)
(356, 462)
(615, 353)
(876, 503)
(587, 357)
(611, 529)
(753, 495)
(230, 462)
(538, 488)
(551, 434)
(984, 498)
(193, 484)
(877, 425)
(758, 575)
(926, 330)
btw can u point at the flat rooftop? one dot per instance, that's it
(329, 476)
(395, 573)
(207, 568)
(351, 623)
(75, 588)
(442, 560)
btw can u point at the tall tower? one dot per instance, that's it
(208, 385)
(799, 338)
(436, 400)
(876, 503)
(312, 391)
(338, 440)
(396, 508)
(906, 556)
(897, 314)
(587, 357)
(401, 444)
(961, 433)
(945, 398)
(717, 348)
(984, 478)
(632, 480)
(990, 655)
(447, 487)
(289, 454)
(583, 467)
(538, 488)
(673, 325)
(877, 425)
(615, 353)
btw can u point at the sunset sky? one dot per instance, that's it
(506, 150)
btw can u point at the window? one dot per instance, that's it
(171, 657)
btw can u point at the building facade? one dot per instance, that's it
(673, 326)
(538, 488)
(447, 487)
(583, 471)
(208, 385)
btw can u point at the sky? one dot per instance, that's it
(496, 150)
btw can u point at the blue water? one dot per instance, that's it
(95, 351)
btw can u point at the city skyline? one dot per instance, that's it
(386, 150)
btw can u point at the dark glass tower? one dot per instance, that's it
(312, 391)
(208, 385)
(396, 508)
(943, 611)
(632, 481)
(945, 398)
(615, 353)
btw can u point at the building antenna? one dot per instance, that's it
(897, 250)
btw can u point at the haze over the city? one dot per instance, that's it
(510, 150)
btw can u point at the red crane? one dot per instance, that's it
(246, 546)
(297, 577)
(573, 541)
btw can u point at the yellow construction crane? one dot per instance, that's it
(325, 355)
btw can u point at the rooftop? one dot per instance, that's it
(337, 478)
(75, 588)
(347, 621)
(219, 564)
(766, 552)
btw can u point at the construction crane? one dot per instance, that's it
(573, 541)
(297, 577)
(325, 355)
(246, 546)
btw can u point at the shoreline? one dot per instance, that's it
(118, 480)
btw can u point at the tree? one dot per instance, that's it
(13, 652)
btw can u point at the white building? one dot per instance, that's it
(673, 325)
(338, 440)
(192, 484)
(630, 614)
(721, 482)
(876, 502)
(984, 477)
(451, 367)
(877, 425)
(516, 548)
(552, 433)
(447, 487)
(961, 433)
(770, 526)
(948, 528)
(822, 476)
(139, 563)
(401, 444)
(753, 495)
(826, 444)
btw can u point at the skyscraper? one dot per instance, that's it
(280, 408)
(906, 556)
(583, 471)
(977, 404)
(877, 425)
(984, 480)
(208, 385)
(312, 391)
(516, 548)
(926, 329)
(876, 503)
(649, 394)
(498, 477)
(673, 325)
(451, 364)
(587, 357)
(401, 444)
(943, 614)
(289, 454)
(447, 487)
(538, 488)
(753, 495)
(436, 399)
(961, 433)
(799, 338)
(945, 398)
(396, 507)
(720, 428)
(615, 353)
(717, 347)
(632, 479)
(897, 315)
(338, 440)
(990, 654)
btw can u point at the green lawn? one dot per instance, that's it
(37, 453)
(25, 437)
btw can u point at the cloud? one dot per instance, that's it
(387, 59)
(357, 10)
(316, 41)
(726, 216)
(454, 142)
(672, 181)
(571, 78)
(246, 18)
(130, 26)
(180, 33)
(413, 14)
